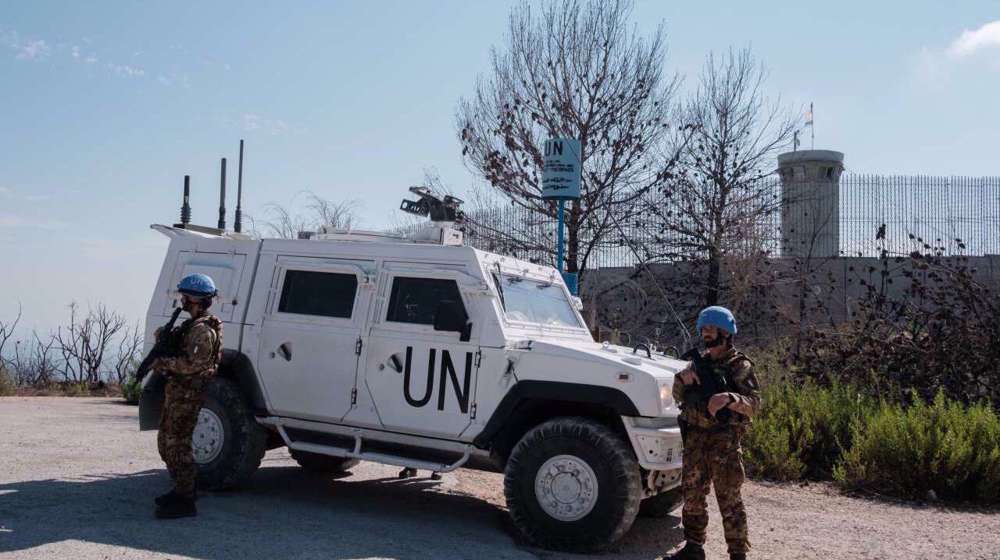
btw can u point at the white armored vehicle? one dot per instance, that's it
(425, 353)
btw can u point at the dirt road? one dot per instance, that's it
(77, 481)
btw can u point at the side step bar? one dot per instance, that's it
(357, 451)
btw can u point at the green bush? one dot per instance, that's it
(7, 387)
(803, 429)
(944, 446)
(75, 389)
(131, 390)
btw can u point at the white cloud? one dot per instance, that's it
(20, 222)
(36, 49)
(252, 121)
(5, 191)
(126, 70)
(969, 42)
(76, 51)
(32, 50)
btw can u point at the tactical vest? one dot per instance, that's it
(177, 337)
(698, 416)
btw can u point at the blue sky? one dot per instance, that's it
(104, 107)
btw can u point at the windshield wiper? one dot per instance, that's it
(498, 280)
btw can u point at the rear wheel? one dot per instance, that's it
(572, 484)
(315, 462)
(227, 443)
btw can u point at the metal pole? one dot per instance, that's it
(812, 129)
(238, 225)
(559, 236)
(222, 197)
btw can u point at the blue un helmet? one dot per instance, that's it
(198, 285)
(718, 317)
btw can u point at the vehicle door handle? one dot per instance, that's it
(395, 364)
(285, 351)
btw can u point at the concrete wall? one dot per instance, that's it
(618, 299)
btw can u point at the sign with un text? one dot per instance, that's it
(561, 169)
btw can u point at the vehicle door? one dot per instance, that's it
(225, 269)
(422, 352)
(310, 336)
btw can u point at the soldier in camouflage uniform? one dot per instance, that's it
(199, 349)
(712, 452)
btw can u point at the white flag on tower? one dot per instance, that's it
(809, 115)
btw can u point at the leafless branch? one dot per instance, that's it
(573, 70)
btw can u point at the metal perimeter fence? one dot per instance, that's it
(959, 214)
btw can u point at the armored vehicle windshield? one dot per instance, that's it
(533, 301)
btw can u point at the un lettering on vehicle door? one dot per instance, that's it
(421, 379)
(422, 386)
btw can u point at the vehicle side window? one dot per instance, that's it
(416, 300)
(326, 294)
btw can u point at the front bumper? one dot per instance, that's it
(657, 449)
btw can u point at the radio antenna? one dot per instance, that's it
(238, 224)
(185, 203)
(222, 197)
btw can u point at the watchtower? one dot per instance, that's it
(810, 210)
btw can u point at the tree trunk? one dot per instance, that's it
(712, 281)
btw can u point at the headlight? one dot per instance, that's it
(666, 396)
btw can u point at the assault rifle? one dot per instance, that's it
(711, 382)
(165, 346)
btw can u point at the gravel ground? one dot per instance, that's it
(77, 479)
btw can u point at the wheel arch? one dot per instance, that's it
(235, 366)
(532, 402)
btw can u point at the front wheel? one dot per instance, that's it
(228, 444)
(572, 484)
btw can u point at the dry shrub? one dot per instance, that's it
(939, 333)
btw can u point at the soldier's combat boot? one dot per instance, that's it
(737, 556)
(407, 472)
(691, 551)
(168, 497)
(165, 499)
(179, 506)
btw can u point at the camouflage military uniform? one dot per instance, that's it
(187, 377)
(712, 455)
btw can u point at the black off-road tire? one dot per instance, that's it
(318, 463)
(662, 504)
(619, 487)
(244, 441)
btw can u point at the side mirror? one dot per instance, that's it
(450, 316)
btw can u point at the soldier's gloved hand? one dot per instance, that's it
(718, 402)
(688, 376)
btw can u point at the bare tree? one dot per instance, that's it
(720, 204)
(129, 353)
(84, 342)
(285, 223)
(573, 70)
(31, 363)
(7, 331)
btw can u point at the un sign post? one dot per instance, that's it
(561, 175)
